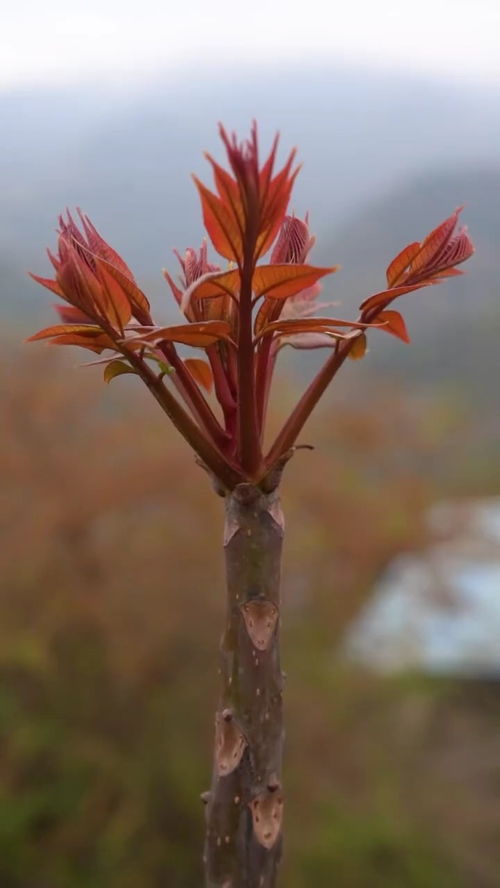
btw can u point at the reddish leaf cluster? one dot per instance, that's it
(420, 265)
(241, 316)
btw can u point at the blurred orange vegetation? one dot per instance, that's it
(111, 603)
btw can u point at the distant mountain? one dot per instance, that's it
(126, 156)
(386, 158)
(406, 213)
(454, 327)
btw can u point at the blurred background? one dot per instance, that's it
(111, 589)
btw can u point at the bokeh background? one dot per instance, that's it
(111, 588)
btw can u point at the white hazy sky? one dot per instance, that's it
(49, 41)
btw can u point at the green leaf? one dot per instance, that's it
(165, 368)
(116, 368)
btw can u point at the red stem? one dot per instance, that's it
(191, 393)
(248, 433)
(211, 457)
(299, 416)
(302, 411)
(262, 385)
(221, 383)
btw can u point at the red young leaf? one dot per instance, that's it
(268, 308)
(283, 281)
(201, 371)
(99, 247)
(47, 282)
(137, 299)
(220, 224)
(63, 329)
(399, 265)
(95, 343)
(212, 284)
(71, 315)
(104, 257)
(275, 205)
(434, 257)
(395, 324)
(313, 325)
(79, 283)
(198, 335)
(265, 174)
(308, 341)
(86, 335)
(118, 309)
(386, 296)
(447, 273)
(434, 243)
(176, 291)
(228, 190)
(457, 250)
(276, 281)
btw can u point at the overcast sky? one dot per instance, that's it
(49, 41)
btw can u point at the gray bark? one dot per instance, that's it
(244, 807)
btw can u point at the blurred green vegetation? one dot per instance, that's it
(111, 604)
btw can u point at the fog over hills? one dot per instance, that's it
(385, 158)
(404, 214)
(455, 326)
